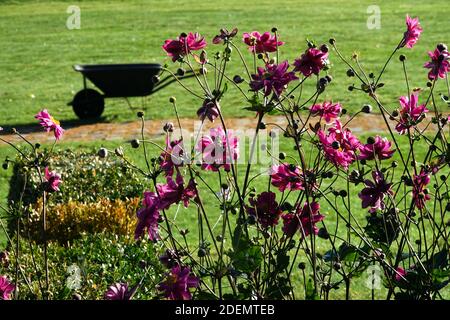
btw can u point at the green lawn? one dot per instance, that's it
(38, 51)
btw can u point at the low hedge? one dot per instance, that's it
(86, 178)
(97, 195)
(87, 267)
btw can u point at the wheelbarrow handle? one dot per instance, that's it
(170, 79)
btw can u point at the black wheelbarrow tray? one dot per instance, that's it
(117, 81)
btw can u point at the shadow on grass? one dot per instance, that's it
(32, 127)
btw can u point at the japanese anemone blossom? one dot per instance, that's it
(311, 62)
(260, 43)
(327, 110)
(286, 176)
(49, 123)
(148, 217)
(178, 282)
(52, 180)
(210, 109)
(265, 209)
(439, 63)
(410, 113)
(218, 150)
(273, 78)
(184, 44)
(339, 145)
(169, 258)
(374, 192)
(303, 220)
(400, 273)
(224, 35)
(118, 291)
(174, 192)
(172, 157)
(6, 288)
(412, 32)
(380, 149)
(420, 193)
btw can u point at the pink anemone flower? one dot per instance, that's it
(260, 43)
(49, 123)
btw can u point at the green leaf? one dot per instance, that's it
(248, 260)
(311, 293)
(439, 260)
(205, 296)
(282, 261)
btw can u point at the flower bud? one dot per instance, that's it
(441, 47)
(370, 140)
(262, 125)
(140, 114)
(282, 156)
(274, 29)
(402, 57)
(367, 108)
(237, 79)
(172, 99)
(332, 41)
(324, 48)
(119, 151)
(181, 72)
(302, 266)
(135, 143)
(350, 73)
(76, 296)
(102, 153)
(335, 145)
(201, 253)
(168, 127)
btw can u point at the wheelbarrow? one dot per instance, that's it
(117, 81)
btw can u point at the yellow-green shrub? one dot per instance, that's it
(67, 221)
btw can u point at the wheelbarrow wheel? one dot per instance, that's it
(88, 104)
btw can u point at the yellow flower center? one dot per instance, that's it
(172, 279)
(54, 120)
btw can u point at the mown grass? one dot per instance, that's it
(38, 51)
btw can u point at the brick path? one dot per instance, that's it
(153, 128)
